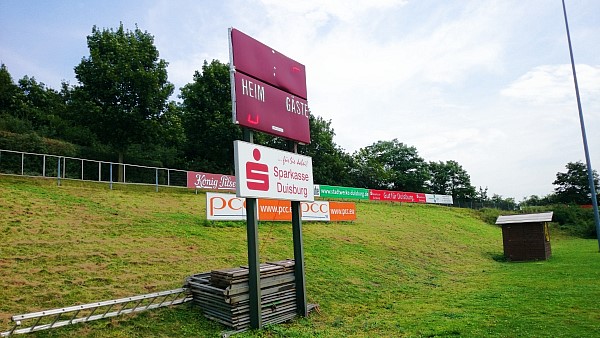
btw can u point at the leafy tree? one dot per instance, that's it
(43, 107)
(11, 104)
(125, 84)
(449, 178)
(573, 187)
(535, 200)
(9, 91)
(390, 165)
(500, 202)
(482, 195)
(206, 117)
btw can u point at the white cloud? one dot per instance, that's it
(553, 84)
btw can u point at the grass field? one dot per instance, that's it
(400, 270)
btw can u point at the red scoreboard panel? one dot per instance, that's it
(268, 89)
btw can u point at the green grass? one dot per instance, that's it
(400, 270)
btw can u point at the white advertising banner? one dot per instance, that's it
(439, 199)
(225, 207)
(315, 211)
(263, 172)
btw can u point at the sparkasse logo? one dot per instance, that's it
(257, 174)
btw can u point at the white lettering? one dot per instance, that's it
(254, 90)
(296, 107)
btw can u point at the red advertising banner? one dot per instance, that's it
(198, 180)
(264, 63)
(397, 196)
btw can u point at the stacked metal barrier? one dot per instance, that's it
(223, 294)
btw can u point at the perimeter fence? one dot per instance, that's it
(72, 168)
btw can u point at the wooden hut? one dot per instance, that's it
(525, 237)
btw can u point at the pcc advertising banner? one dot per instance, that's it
(199, 180)
(229, 207)
(263, 172)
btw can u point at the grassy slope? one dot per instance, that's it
(399, 270)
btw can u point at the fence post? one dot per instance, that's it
(156, 179)
(22, 164)
(58, 173)
(111, 175)
(44, 167)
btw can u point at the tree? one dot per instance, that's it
(43, 107)
(390, 165)
(126, 84)
(573, 187)
(209, 130)
(9, 91)
(449, 178)
(11, 104)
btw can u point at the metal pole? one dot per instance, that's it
(253, 259)
(22, 164)
(58, 173)
(156, 180)
(44, 167)
(111, 174)
(583, 134)
(301, 304)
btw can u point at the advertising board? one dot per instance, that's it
(263, 172)
(263, 107)
(279, 210)
(225, 207)
(342, 211)
(229, 207)
(200, 180)
(397, 196)
(342, 192)
(439, 199)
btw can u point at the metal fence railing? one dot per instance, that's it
(64, 167)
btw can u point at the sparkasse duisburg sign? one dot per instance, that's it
(263, 172)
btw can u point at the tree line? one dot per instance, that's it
(120, 110)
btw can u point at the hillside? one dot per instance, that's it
(399, 270)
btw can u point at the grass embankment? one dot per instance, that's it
(399, 270)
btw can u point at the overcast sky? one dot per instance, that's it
(485, 83)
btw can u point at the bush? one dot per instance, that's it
(490, 215)
(33, 143)
(575, 219)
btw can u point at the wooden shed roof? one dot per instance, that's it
(525, 218)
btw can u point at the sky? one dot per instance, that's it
(485, 83)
